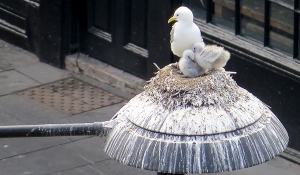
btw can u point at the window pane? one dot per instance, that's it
(198, 7)
(224, 13)
(281, 28)
(252, 19)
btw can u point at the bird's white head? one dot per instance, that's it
(198, 47)
(188, 54)
(183, 14)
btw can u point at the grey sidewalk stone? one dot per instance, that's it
(105, 73)
(276, 166)
(79, 171)
(10, 147)
(42, 162)
(90, 149)
(44, 73)
(97, 115)
(104, 86)
(2, 44)
(7, 119)
(11, 81)
(112, 167)
(28, 111)
(12, 57)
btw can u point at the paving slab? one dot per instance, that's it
(2, 43)
(276, 166)
(105, 73)
(90, 149)
(11, 81)
(45, 161)
(1, 70)
(10, 147)
(112, 167)
(6, 119)
(12, 57)
(43, 73)
(78, 171)
(97, 115)
(102, 85)
(28, 111)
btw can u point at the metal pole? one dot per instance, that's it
(76, 129)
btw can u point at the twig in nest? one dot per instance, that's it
(230, 72)
(156, 66)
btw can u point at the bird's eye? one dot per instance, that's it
(177, 15)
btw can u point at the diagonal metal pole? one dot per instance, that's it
(75, 129)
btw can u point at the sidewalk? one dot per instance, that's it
(24, 84)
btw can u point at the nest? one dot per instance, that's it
(206, 124)
(216, 88)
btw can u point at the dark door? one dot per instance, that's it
(128, 34)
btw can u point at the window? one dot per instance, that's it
(252, 19)
(271, 23)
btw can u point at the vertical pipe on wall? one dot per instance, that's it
(237, 17)
(209, 11)
(267, 23)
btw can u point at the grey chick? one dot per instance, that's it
(188, 66)
(210, 56)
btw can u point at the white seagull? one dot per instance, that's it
(188, 66)
(185, 33)
(210, 56)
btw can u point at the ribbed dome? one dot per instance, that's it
(195, 125)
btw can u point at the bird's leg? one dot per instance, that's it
(208, 72)
(184, 76)
(230, 72)
(175, 65)
(179, 72)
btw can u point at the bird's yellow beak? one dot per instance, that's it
(171, 19)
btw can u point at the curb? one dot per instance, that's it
(105, 73)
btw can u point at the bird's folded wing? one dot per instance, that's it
(211, 53)
(172, 33)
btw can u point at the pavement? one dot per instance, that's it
(20, 72)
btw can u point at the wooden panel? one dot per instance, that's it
(102, 15)
(139, 23)
(15, 6)
(12, 18)
(121, 25)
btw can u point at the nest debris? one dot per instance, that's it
(172, 90)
